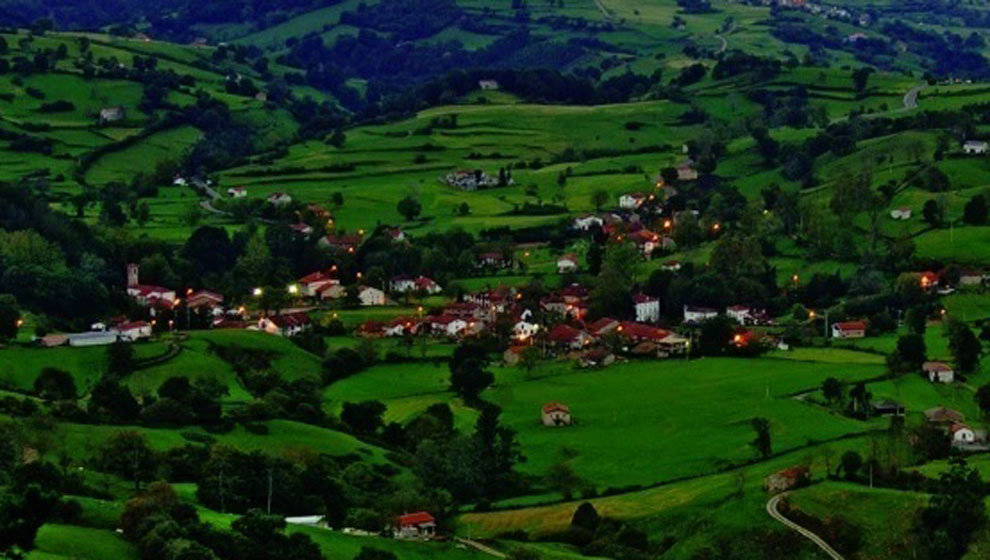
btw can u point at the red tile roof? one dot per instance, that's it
(418, 518)
(555, 407)
(851, 326)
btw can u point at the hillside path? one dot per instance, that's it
(480, 547)
(911, 97)
(772, 510)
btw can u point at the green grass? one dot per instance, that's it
(80, 543)
(123, 165)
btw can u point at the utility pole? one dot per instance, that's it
(269, 488)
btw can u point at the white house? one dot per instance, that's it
(279, 198)
(901, 213)
(448, 325)
(289, 324)
(698, 314)
(92, 338)
(567, 263)
(371, 296)
(739, 313)
(938, 372)
(555, 415)
(524, 330)
(961, 433)
(631, 201)
(586, 222)
(146, 294)
(488, 85)
(403, 284)
(647, 308)
(133, 331)
(849, 329)
(419, 525)
(310, 284)
(975, 147)
(237, 192)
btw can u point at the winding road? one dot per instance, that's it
(772, 510)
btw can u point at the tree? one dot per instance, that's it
(669, 175)
(933, 213)
(55, 384)
(409, 207)
(364, 417)
(586, 517)
(469, 375)
(964, 346)
(955, 511)
(10, 315)
(860, 77)
(113, 401)
(529, 358)
(983, 399)
(128, 454)
(612, 293)
(915, 319)
(562, 478)
(599, 198)
(716, 335)
(909, 354)
(975, 211)
(850, 463)
(497, 452)
(120, 358)
(832, 390)
(762, 442)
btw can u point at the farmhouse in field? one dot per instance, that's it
(311, 284)
(887, 407)
(112, 114)
(474, 179)
(938, 372)
(961, 434)
(403, 284)
(588, 221)
(288, 324)
(279, 198)
(144, 294)
(488, 85)
(901, 213)
(237, 192)
(555, 414)
(971, 278)
(567, 263)
(419, 525)
(975, 147)
(849, 329)
(787, 479)
(631, 201)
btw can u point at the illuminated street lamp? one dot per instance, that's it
(257, 292)
(293, 289)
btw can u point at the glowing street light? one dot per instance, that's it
(257, 292)
(293, 289)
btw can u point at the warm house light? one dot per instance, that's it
(20, 323)
(811, 314)
(716, 227)
(360, 232)
(189, 291)
(293, 289)
(737, 339)
(350, 249)
(667, 224)
(925, 281)
(257, 292)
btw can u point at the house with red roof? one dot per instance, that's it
(493, 259)
(287, 324)
(146, 294)
(555, 415)
(787, 479)
(631, 201)
(370, 329)
(403, 284)
(302, 228)
(279, 198)
(237, 192)
(133, 330)
(928, 280)
(938, 372)
(447, 325)
(419, 525)
(204, 299)
(312, 282)
(849, 329)
(345, 243)
(603, 326)
(567, 263)
(567, 337)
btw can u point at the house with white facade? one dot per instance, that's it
(371, 296)
(647, 308)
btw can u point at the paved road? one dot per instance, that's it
(725, 44)
(604, 10)
(772, 510)
(911, 97)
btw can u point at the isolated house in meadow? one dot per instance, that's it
(887, 407)
(938, 372)
(962, 434)
(631, 201)
(419, 525)
(849, 329)
(488, 85)
(567, 263)
(555, 414)
(112, 114)
(787, 479)
(237, 192)
(975, 147)
(901, 213)
(970, 278)
(279, 198)
(588, 221)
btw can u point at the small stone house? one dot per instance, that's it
(787, 479)
(555, 415)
